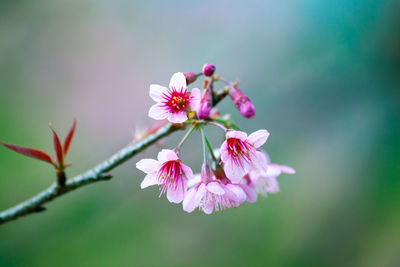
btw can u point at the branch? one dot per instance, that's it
(96, 174)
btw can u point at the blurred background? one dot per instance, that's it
(324, 77)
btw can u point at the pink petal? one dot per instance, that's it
(251, 195)
(166, 155)
(148, 165)
(195, 99)
(158, 112)
(287, 169)
(175, 195)
(149, 179)
(194, 181)
(258, 138)
(156, 92)
(208, 205)
(233, 172)
(273, 170)
(224, 152)
(273, 185)
(177, 117)
(178, 81)
(260, 161)
(240, 195)
(236, 134)
(215, 188)
(193, 198)
(187, 171)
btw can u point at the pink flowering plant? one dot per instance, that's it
(241, 169)
(237, 171)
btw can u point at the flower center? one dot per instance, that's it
(169, 175)
(177, 100)
(240, 151)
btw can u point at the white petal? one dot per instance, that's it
(273, 170)
(148, 165)
(195, 99)
(166, 155)
(178, 81)
(150, 179)
(157, 91)
(177, 117)
(258, 138)
(194, 181)
(224, 152)
(158, 112)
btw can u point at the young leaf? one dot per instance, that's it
(30, 152)
(57, 146)
(68, 139)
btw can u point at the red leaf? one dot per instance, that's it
(57, 146)
(30, 152)
(68, 139)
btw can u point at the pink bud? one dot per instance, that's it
(190, 77)
(242, 102)
(208, 69)
(205, 105)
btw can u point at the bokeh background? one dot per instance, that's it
(323, 75)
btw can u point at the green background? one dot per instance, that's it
(323, 75)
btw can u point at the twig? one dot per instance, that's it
(96, 174)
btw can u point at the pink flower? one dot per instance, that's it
(265, 181)
(239, 153)
(209, 194)
(168, 172)
(173, 103)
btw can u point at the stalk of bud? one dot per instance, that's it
(242, 102)
(205, 104)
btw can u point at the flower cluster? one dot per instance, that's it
(239, 169)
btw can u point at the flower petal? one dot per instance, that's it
(178, 81)
(177, 117)
(258, 138)
(193, 198)
(224, 152)
(158, 112)
(260, 161)
(149, 179)
(148, 165)
(166, 155)
(236, 134)
(273, 185)
(176, 195)
(215, 188)
(273, 170)
(157, 91)
(194, 181)
(238, 192)
(195, 99)
(251, 195)
(187, 171)
(287, 169)
(234, 172)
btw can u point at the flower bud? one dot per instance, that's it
(208, 69)
(242, 102)
(205, 105)
(190, 77)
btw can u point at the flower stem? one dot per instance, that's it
(218, 125)
(203, 139)
(185, 137)
(210, 148)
